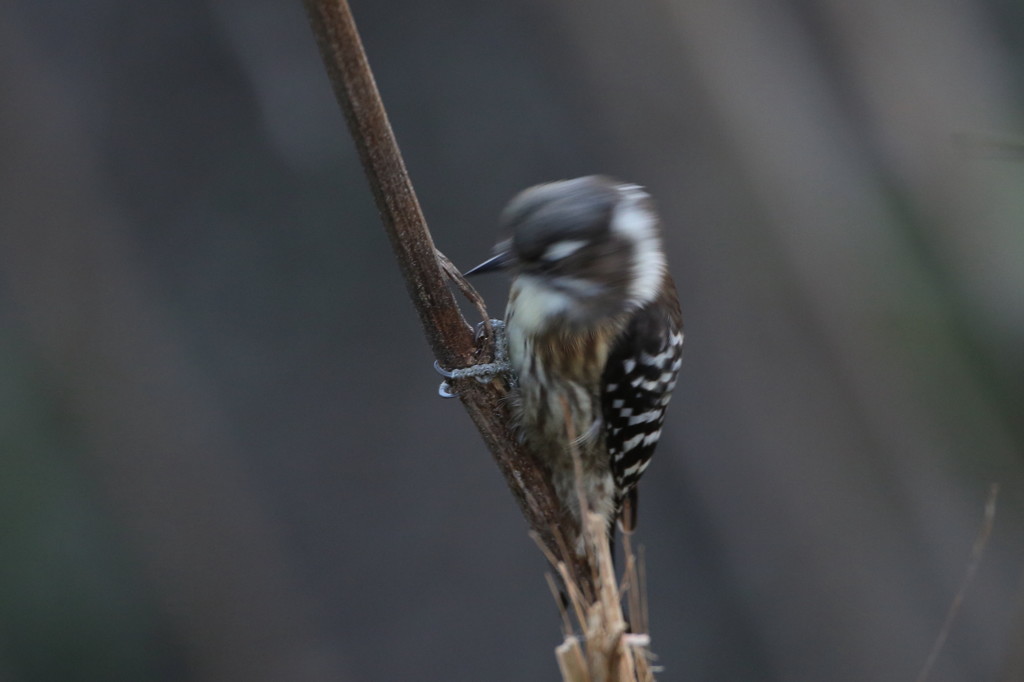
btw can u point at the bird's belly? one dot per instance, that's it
(558, 417)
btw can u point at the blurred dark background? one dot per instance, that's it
(222, 456)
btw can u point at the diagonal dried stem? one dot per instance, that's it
(450, 336)
(973, 562)
(611, 653)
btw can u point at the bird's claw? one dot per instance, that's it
(447, 374)
(485, 373)
(445, 389)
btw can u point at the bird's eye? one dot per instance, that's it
(561, 250)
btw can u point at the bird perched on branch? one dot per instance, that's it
(594, 336)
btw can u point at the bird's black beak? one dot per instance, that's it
(498, 262)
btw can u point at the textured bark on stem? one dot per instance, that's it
(450, 336)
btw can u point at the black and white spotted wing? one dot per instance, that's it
(637, 384)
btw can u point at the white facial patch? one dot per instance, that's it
(562, 249)
(638, 224)
(537, 304)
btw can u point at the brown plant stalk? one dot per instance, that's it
(609, 651)
(427, 272)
